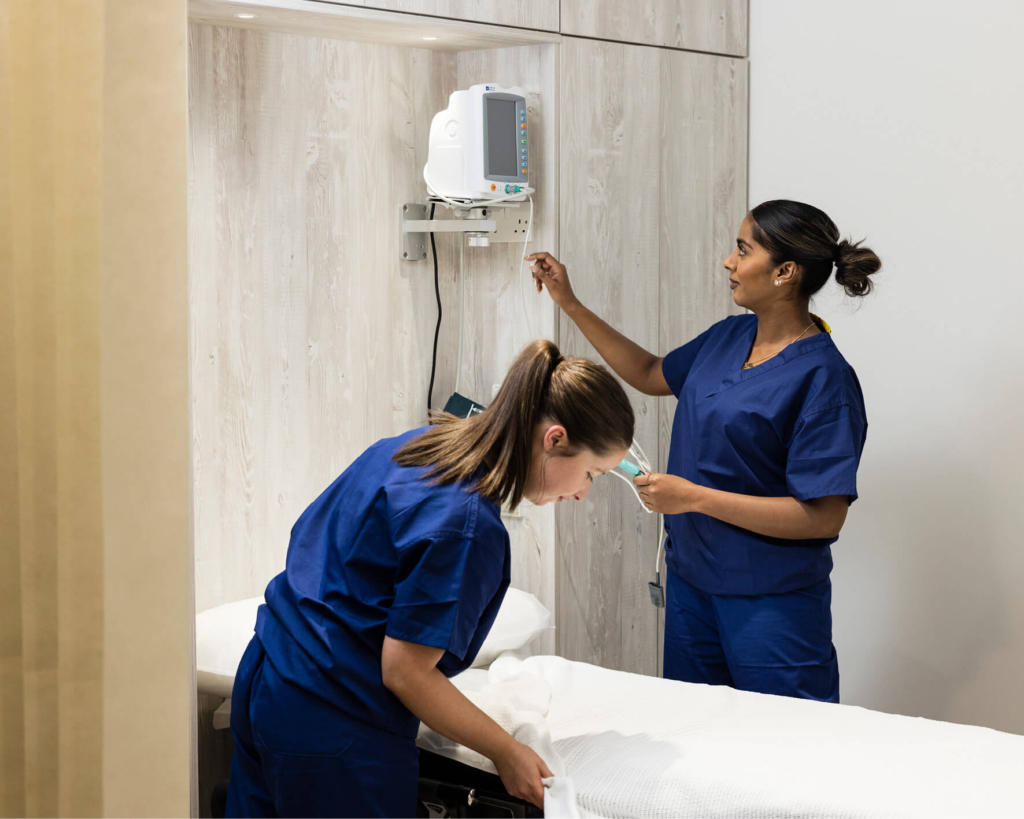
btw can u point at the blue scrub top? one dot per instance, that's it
(383, 552)
(792, 426)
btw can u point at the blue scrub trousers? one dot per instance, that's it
(298, 756)
(773, 643)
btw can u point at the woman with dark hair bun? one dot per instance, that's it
(766, 442)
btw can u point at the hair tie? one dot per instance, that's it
(556, 359)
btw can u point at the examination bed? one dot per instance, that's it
(630, 745)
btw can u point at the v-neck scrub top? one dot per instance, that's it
(383, 551)
(793, 426)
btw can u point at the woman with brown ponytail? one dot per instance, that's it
(762, 468)
(393, 578)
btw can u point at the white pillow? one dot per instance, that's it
(222, 633)
(520, 618)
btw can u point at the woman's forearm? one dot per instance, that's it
(442, 707)
(786, 518)
(631, 362)
(409, 671)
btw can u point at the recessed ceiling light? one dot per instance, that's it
(430, 38)
(245, 16)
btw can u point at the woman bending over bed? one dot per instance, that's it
(393, 578)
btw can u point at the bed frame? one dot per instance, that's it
(446, 788)
(464, 791)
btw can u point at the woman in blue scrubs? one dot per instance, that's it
(762, 468)
(393, 578)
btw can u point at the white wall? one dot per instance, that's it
(903, 120)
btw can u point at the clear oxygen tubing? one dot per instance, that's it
(462, 304)
(522, 280)
(636, 463)
(526, 191)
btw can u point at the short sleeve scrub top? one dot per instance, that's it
(381, 552)
(743, 609)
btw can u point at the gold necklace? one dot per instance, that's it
(750, 364)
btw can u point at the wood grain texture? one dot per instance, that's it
(716, 26)
(704, 163)
(653, 187)
(375, 25)
(310, 339)
(496, 329)
(536, 14)
(303, 149)
(609, 193)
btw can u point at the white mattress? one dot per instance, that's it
(642, 746)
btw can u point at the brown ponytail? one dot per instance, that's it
(540, 385)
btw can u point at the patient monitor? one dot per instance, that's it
(478, 168)
(479, 146)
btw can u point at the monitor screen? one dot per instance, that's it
(501, 137)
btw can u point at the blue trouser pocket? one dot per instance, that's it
(291, 722)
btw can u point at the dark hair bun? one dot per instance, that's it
(801, 233)
(853, 266)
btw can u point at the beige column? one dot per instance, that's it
(95, 560)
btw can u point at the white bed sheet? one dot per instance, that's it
(643, 746)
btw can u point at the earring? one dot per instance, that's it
(778, 282)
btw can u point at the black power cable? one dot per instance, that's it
(437, 330)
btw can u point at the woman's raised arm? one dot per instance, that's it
(631, 362)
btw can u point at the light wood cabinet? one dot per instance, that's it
(610, 180)
(301, 153)
(536, 14)
(653, 188)
(716, 26)
(310, 338)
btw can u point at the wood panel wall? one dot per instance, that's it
(610, 180)
(310, 338)
(715, 26)
(535, 14)
(704, 156)
(503, 313)
(653, 188)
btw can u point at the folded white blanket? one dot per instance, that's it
(643, 746)
(518, 701)
(560, 798)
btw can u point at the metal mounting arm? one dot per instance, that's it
(416, 228)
